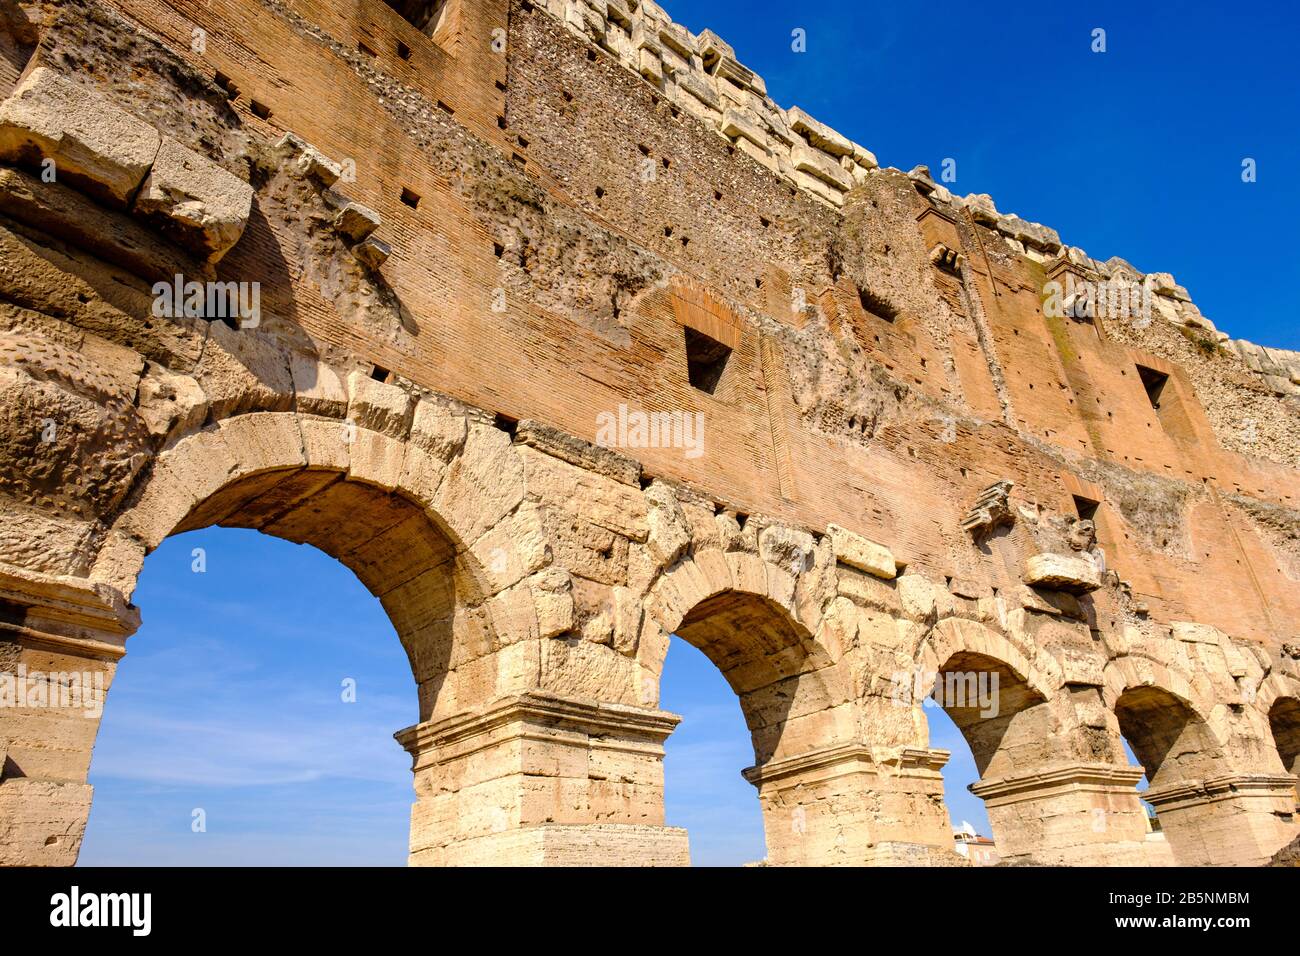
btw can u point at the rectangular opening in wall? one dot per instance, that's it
(706, 360)
(876, 305)
(411, 199)
(1154, 382)
(1086, 508)
(425, 15)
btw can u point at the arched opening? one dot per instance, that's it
(388, 541)
(768, 660)
(994, 709)
(970, 819)
(703, 790)
(251, 722)
(1005, 727)
(1284, 721)
(1176, 750)
(426, 583)
(774, 668)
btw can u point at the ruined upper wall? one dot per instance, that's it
(701, 74)
(890, 357)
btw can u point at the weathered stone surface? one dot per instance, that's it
(356, 221)
(100, 149)
(857, 552)
(1060, 572)
(812, 357)
(201, 206)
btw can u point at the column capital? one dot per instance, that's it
(588, 717)
(1221, 787)
(1035, 785)
(852, 757)
(70, 615)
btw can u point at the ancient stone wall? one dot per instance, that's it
(549, 324)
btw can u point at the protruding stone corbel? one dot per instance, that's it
(991, 509)
(1076, 574)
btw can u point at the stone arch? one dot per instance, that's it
(413, 525)
(1170, 726)
(1046, 778)
(955, 635)
(1165, 718)
(1279, 701)
(1008, 718)
(1133, 671)
(741, 612)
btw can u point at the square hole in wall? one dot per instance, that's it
(425, 15)
(1154, 382)
(228, 85)
(876, 305)
(706, 360)
(1086, 508)
(411, 199)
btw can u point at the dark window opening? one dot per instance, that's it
(411, 199)
(379, 373)
(507, 424)
(260, 110)
(425, 15)
(227, 84)
(403, 50)
(706, 360)
(1154, 383)
(1086, 508)
(876, 305)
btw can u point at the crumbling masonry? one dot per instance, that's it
(458, 240)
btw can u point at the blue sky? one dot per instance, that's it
(229, 699)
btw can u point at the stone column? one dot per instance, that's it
(1238, 819)
(1072, 815)
(542, 780)
(60, 640)
(844, 806)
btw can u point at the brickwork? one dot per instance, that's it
(565, 338)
